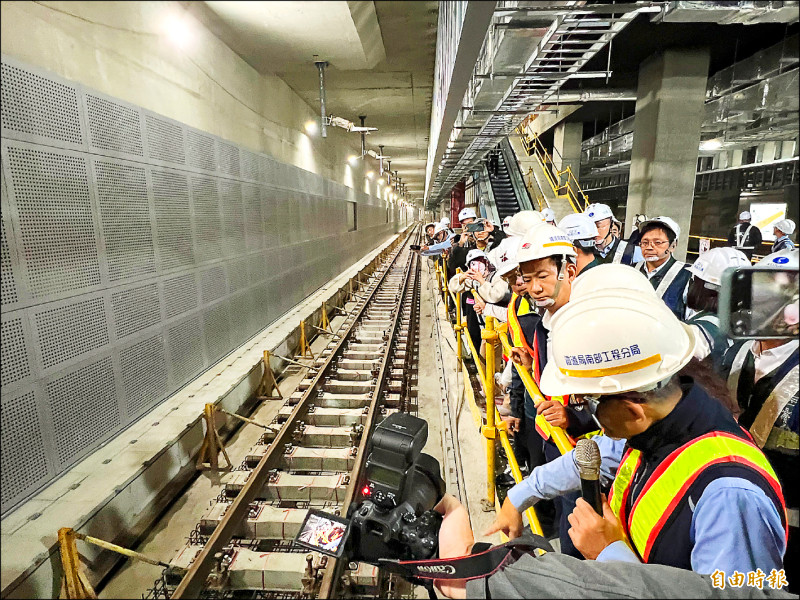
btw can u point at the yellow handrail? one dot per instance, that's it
(494, 427)
(556, 433)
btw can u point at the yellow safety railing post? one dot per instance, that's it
(458, 327)
(74, 583)
(490, 430)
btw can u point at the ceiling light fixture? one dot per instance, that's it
(708, 145)
(177, 30)
(370, 175)
(352, 159)
(311, 127)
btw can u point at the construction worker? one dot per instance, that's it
(582, 231)
(610, 249)
(546, 260)
(690, 489)
(549, 215)
(744, 236)
(763, 378)
(782, 230)
(669, 277)
(429, 227)
(518, 225)
(702, 300)
(462, 244)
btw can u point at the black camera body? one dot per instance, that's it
(393, 516)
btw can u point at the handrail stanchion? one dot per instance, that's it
(458, 327)
(490, 430)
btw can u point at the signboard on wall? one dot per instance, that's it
(704, 245)
(765, 215)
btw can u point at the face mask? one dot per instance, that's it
(659, 256)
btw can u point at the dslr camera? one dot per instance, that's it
(392, 516)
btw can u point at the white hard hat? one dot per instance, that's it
(506, 221)
(439, 228)
(598, 212)
(667, 222)
(467, 213)
(475, 253)
(432, 224)
(607, 343)
(710, 265)
(578, 226)
(506, 255)
(611, 276)
(786, 226)
(783, 259)
(548, 214)
(445, 220)
(744, 216)
(543, 241)
(641, 218)
(522, 222)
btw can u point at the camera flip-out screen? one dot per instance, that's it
(324, 533)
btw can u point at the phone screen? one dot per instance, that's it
(324, 532)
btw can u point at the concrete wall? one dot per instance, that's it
(157, 212)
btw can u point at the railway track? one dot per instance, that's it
(243, 546)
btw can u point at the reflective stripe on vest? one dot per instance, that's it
(669, 483)
(773, 405)
(741, 237)
(670, 276)
(517, 337)
(619, 252)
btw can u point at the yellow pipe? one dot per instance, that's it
(533, 519)
(557, 434)
(458, 327)
(490, 431)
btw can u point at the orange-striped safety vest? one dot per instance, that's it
(517, 337)
(667, 486)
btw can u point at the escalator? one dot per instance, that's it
(508, 187)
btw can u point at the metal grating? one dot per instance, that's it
(125, 215)
(200, 151)
(135, 309)
(71, 330)
(249, 165)
(253, 221)
(14, 365)
(22, 450)
(55, 219)
(164, 140)
(233, 217)
(238, 277)
(206, 218)
(84, 407)
(213, 284)
(8, 283)
(180, 295)
(173, 219)
(113, 126)
(216, 328)
(228, 158)
(144, 374)
(39, 106)
(241, 307)
(186, 350)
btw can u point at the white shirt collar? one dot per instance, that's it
(766, 361)
(657, 270)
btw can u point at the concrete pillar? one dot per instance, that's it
(737, 156)
(567, 139)
(768, 154)
(666, 137)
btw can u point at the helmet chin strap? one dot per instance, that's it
(550, 301)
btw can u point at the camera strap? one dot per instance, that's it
(473, 566)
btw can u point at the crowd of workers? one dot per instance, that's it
(698, 433)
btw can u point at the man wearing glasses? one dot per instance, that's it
(669, 277)
(689, 488)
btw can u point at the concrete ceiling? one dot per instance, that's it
(381, 57)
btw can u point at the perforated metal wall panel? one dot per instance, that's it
(136, 251)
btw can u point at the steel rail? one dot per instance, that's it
(195, 579)
(334, 566)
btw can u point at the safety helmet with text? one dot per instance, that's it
(598, 212)
(783, 259)
(523, 221)
(467, 213)
(608, 343)
(542, 241)
(580, 229)
(710, 265)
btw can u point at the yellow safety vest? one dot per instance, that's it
(667, 486)
(517, 336)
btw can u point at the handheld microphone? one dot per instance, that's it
(587, 457)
